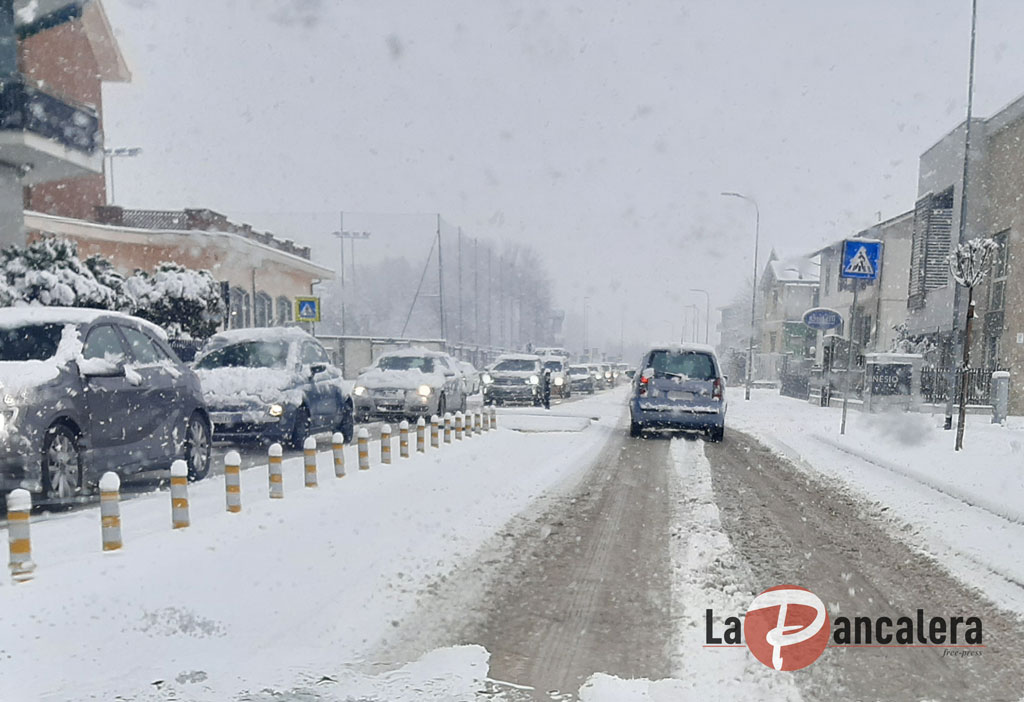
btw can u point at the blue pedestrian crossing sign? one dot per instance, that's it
(862, 259)
(307, 309)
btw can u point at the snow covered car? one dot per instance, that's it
(87, 391)
(581, 378)
(560, 385)
(680, 387)
(514, 377)
(410, 383)
(272, 385)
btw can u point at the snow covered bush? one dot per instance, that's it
(49, 272)
(187, 303)
(969, 261)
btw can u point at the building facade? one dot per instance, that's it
(788, 288)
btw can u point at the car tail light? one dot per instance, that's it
(716, 390)
(643, 385)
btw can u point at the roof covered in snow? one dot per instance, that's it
(38, 314)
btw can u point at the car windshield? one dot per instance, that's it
(515, 365)
(31, 342)
(686, 364)
(577, 370)
(553, 365)
(406, 363)
(247, 354)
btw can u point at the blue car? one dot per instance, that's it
(679, 387)
(272, 385)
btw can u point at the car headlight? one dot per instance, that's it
(424, 390)
(359, 390)
(534, 380)
(275, 410)
(559, 381)
(9, 400)
(607, 374)
(486, 377)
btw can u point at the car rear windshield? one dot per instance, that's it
(578, 370)
(686, 364)
(403, 363)
(516, 364)
(553, 365)
(31, 342)
(247, 354)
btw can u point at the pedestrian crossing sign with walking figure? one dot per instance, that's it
(307, 309)
(861, 259)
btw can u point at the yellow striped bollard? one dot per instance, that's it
(403, 439)
(363, 442)
(179, 494)
(19, 504)
(385, 444)
(476, 422)
(494, 418)
(435, 434)
(482, 426)
(233, 481)
(421, 430)
(338, 449)
(447, 427)
(309, 461)
(274, 455)
(458, 426)
(110, 511)
(484, 422)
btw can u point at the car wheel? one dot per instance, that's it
(347, 424)
(197, 447)
(716, 434)
(302, 427)
(635, 428)
(62, 462)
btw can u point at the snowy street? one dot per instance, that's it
(556, 558)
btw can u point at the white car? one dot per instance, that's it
(410, 383)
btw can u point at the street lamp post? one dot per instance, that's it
(121, 152)
(753, 292)
(707, 310)
(694, 324)
(586, 330)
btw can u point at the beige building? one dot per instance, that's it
(788, 288)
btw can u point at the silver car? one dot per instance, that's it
(87, 391)
(410, 383)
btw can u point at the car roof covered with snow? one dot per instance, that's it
(414, 351)
(36, 314)
(517, 357)
(234, 336)
(684, 348)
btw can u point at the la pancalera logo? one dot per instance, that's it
(787, 627)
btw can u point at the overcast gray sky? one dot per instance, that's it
(602, 131)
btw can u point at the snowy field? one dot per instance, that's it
(287, 591)
(964, 508)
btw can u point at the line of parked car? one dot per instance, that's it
(86, 391)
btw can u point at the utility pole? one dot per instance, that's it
(958, 340)
(341, 271)
(440, 279)
(501, 300)
(476, 291)
(462, 333)
(490, 295)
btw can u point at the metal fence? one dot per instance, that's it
(935, 385)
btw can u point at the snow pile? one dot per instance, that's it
(224, 387)
(288, 592)
(965, 508)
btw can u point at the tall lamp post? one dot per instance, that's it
(694, 324)
(707, 310)
(586, 330)
(352, 236)
(753, 292)
(121, 152)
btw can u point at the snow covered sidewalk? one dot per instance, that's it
(965, 508)
(280, 594)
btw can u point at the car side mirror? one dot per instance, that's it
(725, 378)
(317, 368)
(647, 374)
(630, 373)
(101, 368)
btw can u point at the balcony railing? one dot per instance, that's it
(29, 109)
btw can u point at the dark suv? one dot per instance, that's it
(679, 387)
(86, 391)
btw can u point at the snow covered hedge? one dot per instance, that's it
(48, 272)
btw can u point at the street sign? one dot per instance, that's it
(862, 259)
(307, 309)
(822, 318)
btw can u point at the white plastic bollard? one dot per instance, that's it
(385, 444)
(19, 504)
(476, 423)
(179, 494)
(494, 418)
(233, 481)
(447, 427)
(274, 455)
(421, 429)
(110, 511)
(435, 433)
(458, 426)
(309, 461)
(363, 442)
(338, 449)
(403, 439)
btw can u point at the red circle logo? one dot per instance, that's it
(786, 627)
